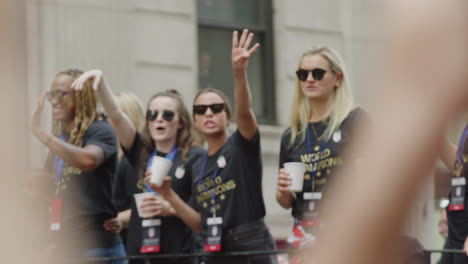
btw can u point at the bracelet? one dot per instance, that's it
(50, 138)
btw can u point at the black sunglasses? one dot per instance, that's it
(167, 115)
(201, 109)
(317, 73)
(58, 95)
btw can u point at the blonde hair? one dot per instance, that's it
(131, 106)
(341, 103)
(85, 109)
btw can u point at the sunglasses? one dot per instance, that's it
(58, 95)
(201, 109)
(317, 73)
(167, 115)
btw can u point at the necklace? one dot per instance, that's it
(317, 148)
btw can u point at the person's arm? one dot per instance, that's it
(86, 159)
(245, 117)
(123, 127)
(115, 225)
(182, 210)
(448, 154)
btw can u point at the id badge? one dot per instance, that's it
(151, 242)
(457, 202)
(56, 214)
(213, 238)
(309, 212)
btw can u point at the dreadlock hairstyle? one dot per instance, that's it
(85, 110)
(185, 134)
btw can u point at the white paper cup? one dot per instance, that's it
(138, 200)
(159, 169)
(296, 171)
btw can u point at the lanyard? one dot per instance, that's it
(309, 146)
(58, 164)
(461, 145)
(170, 156)
(213, 193)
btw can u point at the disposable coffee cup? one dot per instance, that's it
(159, 169)
(296, 170)
(139, 199)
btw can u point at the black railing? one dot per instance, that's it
(248, 254)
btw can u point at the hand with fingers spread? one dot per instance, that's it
(36, 121)
(240, 50)
(95, 75)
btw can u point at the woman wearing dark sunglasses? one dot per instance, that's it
(82, 158)
(168, 133)
(322, 114)
(227, 206)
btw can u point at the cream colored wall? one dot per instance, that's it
(148, 45)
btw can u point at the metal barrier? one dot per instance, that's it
(147, 257)
(427, 255)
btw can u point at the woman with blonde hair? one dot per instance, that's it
(322, 114)
(168, 133)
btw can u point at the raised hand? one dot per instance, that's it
(240, 50)
(95, 75)
(36, 117)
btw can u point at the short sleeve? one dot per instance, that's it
(134, 153)
(101, 134)
(283, 150)
(251, 146)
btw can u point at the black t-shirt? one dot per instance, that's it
(236, 187)
(458, 220)
(176, 237)
(125, 184)
(87, 196)
(326, 155)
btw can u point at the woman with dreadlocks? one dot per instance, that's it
(168, 133)
(83, 156)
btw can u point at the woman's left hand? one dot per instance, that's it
(113, 225)
(156, 206)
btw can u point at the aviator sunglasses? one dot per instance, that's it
(201, 109)
(58, 95)
(317, 73)
(167, 115)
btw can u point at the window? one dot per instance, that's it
(216, 21)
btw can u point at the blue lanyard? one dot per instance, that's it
(309, 146)
(460, 146)
(58, 164)
(213, 193)
(170, 156)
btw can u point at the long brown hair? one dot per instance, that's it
(185, 138)
(85, 109)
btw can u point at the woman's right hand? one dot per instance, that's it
(284, 181)
(165, 189)
(95, 75)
